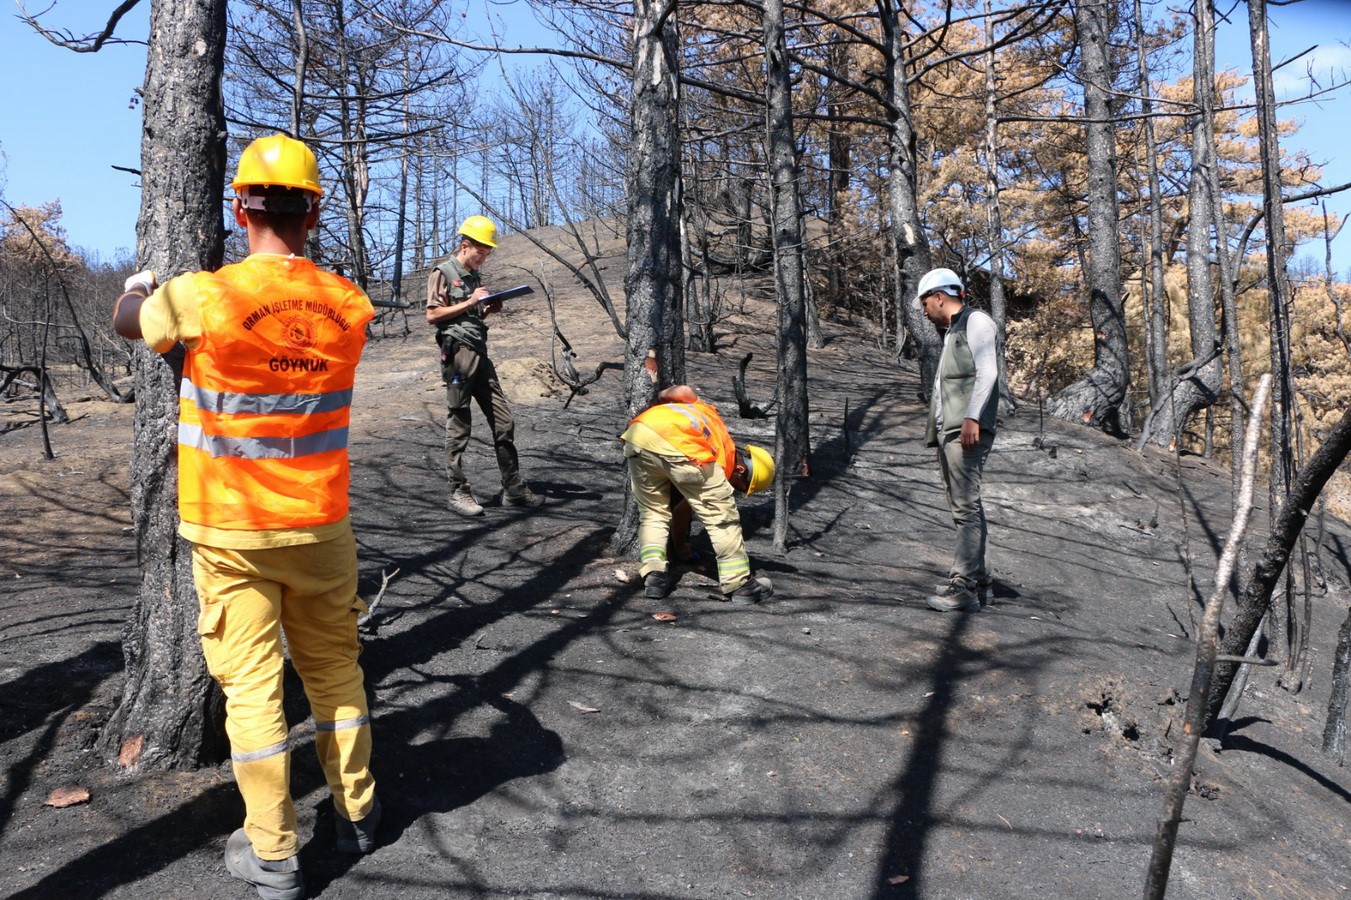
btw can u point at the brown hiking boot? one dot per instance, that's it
(521, 495)
(462, 501)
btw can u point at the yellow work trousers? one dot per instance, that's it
(710, 496)
(247, 598)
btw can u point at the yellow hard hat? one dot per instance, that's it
(280, 161)
(759, 469)
(481, 230)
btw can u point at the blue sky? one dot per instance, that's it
(66, 118)
(65, 122)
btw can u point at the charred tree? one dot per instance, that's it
(1096, 397)
(1179, 784)
(171, 714)
(791, 433)
(655, 353)
(652, 280)
(994, 217)
(910, 246)
(1278, 291)
(1334, 732)
(1151, 257)
(1200, 388)
(1255, 599)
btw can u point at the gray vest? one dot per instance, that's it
(957, 379)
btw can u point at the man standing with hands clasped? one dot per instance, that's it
(272, 348)
(962, 426)
(454, 307)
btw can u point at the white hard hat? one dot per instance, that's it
(940, 280)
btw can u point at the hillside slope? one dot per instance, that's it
(539, 734)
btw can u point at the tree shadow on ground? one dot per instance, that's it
(1248, 745)
(41, 700)
(437, 776)
(900, 869)
(148, 848)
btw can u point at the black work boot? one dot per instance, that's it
(751, 592)
(656, 585)
(278, 879)
(359, 836)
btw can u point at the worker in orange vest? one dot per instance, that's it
(272, 348)
(681, 442)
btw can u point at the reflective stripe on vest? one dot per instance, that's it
(261, 448)
(696, 430)
(282, 404)
(697, 420)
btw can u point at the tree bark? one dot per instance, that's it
(909, 243)
(1165, 838)
(1094, 399)
(171, 714)
(839, 157)
(655, 352)
(791, 432)
(1201, 387)
(1334, 732)
(994, 218)
(1153, 291)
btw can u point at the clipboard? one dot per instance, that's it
(509, 294)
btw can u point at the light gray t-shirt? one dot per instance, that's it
(980, 337)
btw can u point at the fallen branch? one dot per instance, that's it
(385, 579)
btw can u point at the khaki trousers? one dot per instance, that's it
(710, 496)
(248, 597)
(470, 376)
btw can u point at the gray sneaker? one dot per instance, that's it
(984, 590)
(274, 879)
(958, 596)
(358, 837)
(462, 501)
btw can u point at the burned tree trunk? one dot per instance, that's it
(652, 280)
(1096, 398)
(909, 244)
(171, 714)
(655, 355)
(1256, 597)
(1201, 387)
(995, 220)
(786, 208)
(1334, 732)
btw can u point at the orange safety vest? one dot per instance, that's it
(266, 396)
(695, 429)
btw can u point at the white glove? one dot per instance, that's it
(144, 280)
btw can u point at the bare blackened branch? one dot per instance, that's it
(89, 43)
